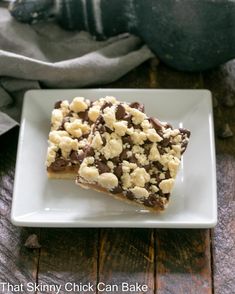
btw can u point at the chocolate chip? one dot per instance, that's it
(123, 155)
(150, 201)
(59, 164)
(102, 167)
(108, 130)
(133, 159)
(158, 165)
(74, 156)
(118, 171)
(120, 112)
(83, 115)
(157, 178)
(161, 150)
(137, 127)
(85, 136)
(99, 120)
(128, 118)
(116, 160)
(168, 126)
(185, 132)
(117, 190)
(147, 167)
(156, 123)
(167, 175)
(57, 104)
(165, 142)
(103, 140)
(58, 153)
(129, 195)
(89, 151)
(101, 129)
(127, 140)
(105, 105)
(137, 105)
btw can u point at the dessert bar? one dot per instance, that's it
(131, 156)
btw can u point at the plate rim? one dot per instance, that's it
(20, 221)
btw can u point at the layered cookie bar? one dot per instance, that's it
(70, 126)
(131, 156)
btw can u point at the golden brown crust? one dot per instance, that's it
(118, 196)
(70, 173)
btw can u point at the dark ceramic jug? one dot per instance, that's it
(189, 35)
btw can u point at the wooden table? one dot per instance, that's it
(166, 260)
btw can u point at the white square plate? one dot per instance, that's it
(38, 201)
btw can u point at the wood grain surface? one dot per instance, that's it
(222, 84)
(167, 261)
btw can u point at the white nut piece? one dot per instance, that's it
(107, 180)
(140, 192)
(167, 185)
(79, 104)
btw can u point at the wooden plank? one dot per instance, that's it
(183, 257)
(183, 262)
(68, 259)
(168, 78)
(127, 256)
(18, 265)
(221, 83)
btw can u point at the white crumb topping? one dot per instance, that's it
(154, 154)
(94, 112)
(138, 137)
(140, 192)
(138, 116)
(109, 116)
(153, 136)
(173, 166)
(97, 141)
(56, 118)
(139, 177)
(107, 180)
(64, 106)
(51, 154)
(120, 127)
(67, 145)
(145, 124)
(112, 148)
(154, 188)
(89, 173)
(167, 185)
(79, 104)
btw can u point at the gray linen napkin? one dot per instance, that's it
(44, 55)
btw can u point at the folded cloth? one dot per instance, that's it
(44, 55)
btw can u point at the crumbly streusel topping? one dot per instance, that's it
(132, 154)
